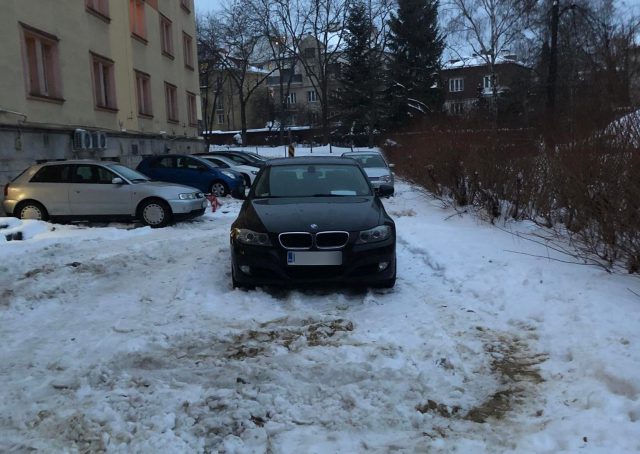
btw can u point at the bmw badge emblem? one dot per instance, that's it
(314, 226)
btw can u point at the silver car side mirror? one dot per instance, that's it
(392, 165)
(117, 180)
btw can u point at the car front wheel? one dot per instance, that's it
(219, 189)
(32, 210)
(155, 213)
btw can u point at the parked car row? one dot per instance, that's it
(305, 220)
(161, 190)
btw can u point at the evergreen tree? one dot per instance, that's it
(415, 45)
(361, 75)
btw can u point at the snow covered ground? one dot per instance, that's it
(129, 339)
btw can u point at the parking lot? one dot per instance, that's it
(124, 338)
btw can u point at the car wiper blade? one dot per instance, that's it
(137, 180)
(331, 195)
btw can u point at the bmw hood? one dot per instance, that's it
(327, 213)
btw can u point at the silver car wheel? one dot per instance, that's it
(31, 212)
(153, 214)
(218, 189)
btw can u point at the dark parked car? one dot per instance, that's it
(193, 171)
(241, 157)
(313, 220)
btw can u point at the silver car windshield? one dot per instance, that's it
(317, 180)
(130, 174)
(369, 161)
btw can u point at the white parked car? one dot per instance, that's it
(248, 172)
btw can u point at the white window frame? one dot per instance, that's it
(456, 84)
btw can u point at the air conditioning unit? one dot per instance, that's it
(98, 140)
(81, 139)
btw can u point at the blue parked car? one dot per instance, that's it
(193, 171)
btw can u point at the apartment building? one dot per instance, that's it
(469, 80)
(302, 99)
(100, 79)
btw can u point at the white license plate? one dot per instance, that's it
(317, 258)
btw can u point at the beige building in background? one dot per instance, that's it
(105, 79)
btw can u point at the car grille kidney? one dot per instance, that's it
(305, 240)
(296, 240)
(331, 240)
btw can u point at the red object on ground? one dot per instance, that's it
(214, 202)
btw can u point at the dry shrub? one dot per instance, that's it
(588, 188)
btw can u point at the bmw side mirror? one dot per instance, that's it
(117, 180)
(385, 190)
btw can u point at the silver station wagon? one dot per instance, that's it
(86, 189)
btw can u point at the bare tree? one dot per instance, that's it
(490, 28)
(282, 23)
(241, 46)
(212, 77)
(320, 48)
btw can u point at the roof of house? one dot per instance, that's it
(477, 60)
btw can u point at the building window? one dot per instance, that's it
(291, 98)
(220, 118)
(137, 20)
(41, 63)
(98, 6)
(104, 85)
(192, 111)
(166, 36)
(488, 81)
(456, 84)
(456, 108)
(171, 97)
(143, 93)
(187, 46)
(186, 5)
(312, 96)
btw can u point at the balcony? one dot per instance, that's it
(275, 80)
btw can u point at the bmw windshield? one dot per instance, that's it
(317, 180)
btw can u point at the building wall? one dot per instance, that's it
(228, 102)
(33, 128)
(507, 75)
(304, 111)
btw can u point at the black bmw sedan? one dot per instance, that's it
(313, 220)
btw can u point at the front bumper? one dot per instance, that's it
(268, 266)
(186, 207)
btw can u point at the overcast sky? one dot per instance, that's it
(210, 5)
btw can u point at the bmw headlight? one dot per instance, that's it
(380, 233)
(229, 174)
(187, 196)
(246, 236)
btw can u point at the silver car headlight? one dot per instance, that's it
(228, 174)
(246, 236)
(254, 172)
(385, 178)
(188, 196)
(380, 233)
